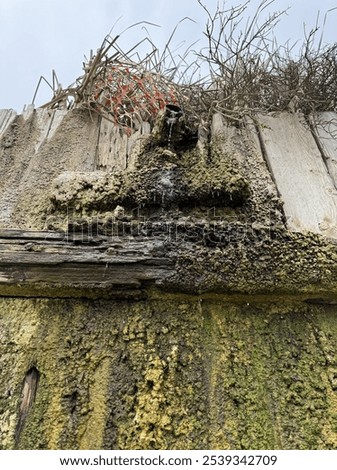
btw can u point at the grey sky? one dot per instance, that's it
(37, 36)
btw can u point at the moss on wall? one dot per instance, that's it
(271, 380)
(233, 358)
(169, 373)
(241, 259)
(160, 178)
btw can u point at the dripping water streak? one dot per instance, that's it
(173, 114)
(170, 122)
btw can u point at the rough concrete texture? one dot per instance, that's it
(230, 339)
(34, 150)
(51, 163)
(171, 373)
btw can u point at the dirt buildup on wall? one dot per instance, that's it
(172, 373)
(151, 293)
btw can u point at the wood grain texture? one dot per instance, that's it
(29, 390)
(45, 262)
(325, 125)
(115, 150)
(6, 117)
(308, 191)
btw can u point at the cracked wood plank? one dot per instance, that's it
(6, 117)
(326, 128)
(36, 266)
(112, 147)
(27, 398)
(115, 150)
(308, 192)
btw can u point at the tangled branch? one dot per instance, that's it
(246, 72)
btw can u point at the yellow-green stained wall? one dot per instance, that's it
(169, 373)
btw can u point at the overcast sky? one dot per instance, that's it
(37, 36)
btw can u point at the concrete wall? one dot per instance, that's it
(207, 321)
(169, 373)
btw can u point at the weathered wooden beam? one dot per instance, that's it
(49, 261)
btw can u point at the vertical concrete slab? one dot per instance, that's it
(47, 121)
(44, 144)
